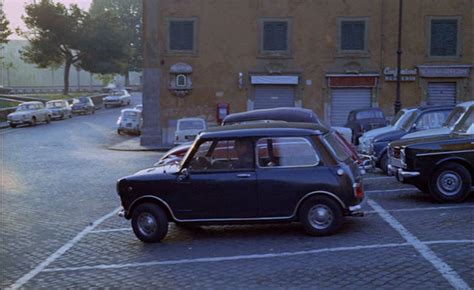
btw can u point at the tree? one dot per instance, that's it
(56, 36)
(4, 30)
(129, 14)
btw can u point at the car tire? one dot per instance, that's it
(119, 131)
(93, 110)
(149, 223)
(48, 119)
(70, 116)
(33, 121)
(13, 125)
(451, 182)
(63, 116)
(321, 216)
(106, 106)
(384, 163)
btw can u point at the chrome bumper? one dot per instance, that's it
(121, 212)
(356, 211)
(401, 174)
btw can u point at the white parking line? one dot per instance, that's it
(30, 275)
(245, 257)
(423, 208)
(111, 230)
(379, 178)
(392, 190)
(448, 273)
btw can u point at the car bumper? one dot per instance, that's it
(402, 175)
(356, 211)
(112, 103)
(17, 122)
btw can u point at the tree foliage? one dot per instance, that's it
(4, 30)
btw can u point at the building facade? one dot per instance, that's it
(330, 56)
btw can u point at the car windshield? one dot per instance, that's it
(191, 125)
(466, 122)
(372, 114)
(84, 100)
(130, 114)
(55, 105)
(25, 107)
(400, 118)
(454, 117)
(336, 147)
(406, 122)
(117, 93)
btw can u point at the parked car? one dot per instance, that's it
(363, 120)
(83, 105)
(29, 113)
(139, 107)
(60, 109)
(268, 172)
(130, 121)
(456, 115)
(418, 119)
(117, 98)
(187, 129)
(287, 114)
(441, 165)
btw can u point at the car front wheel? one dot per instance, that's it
(450, 183)
(48, 119)
(149, 223)
(321, 216)
(13, 125)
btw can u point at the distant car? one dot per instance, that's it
(130, 121)
(453, 119)
(251, 173)
(117, 98)
(188, 128)
(139, 107)
(29, 113)
(363, 120)
(60, 109)
(441, 165)
(83, 105)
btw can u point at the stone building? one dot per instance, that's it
(331, 56)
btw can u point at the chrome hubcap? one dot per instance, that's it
(320, 216)
(147, 224)
(449, 183)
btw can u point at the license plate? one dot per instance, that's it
(129, 124)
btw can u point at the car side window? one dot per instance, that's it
(286, 152)
(431, 120)
(224, 155)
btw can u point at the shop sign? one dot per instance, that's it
(444, 71)
(406, 75)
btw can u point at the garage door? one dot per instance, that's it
(346, 100)
(267, 97)
(441, 94)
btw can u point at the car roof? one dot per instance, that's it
(288, 114)
(31, 103)
(466, 104)
(265, 129)
(130, 110)
(52, 101)
(365, 109)
(432, 107)
(191, 119)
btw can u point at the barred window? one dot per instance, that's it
(444, 37)
(181, 35)
(275, 36)
(353, 35)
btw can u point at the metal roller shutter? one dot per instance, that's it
(441, 94)
(345, 100)
(267, 97)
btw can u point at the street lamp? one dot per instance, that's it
(398, 103)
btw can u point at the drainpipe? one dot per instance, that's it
(398, 103)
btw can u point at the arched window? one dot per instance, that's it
(181, 80)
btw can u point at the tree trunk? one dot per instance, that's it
(67, 67)
(127, 78)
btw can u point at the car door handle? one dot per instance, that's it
(243, 175)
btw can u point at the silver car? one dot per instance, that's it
(117, 98)
(60, 109)
(29, 113)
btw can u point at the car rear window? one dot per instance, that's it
(454, 116)
(373, 114)
(286, 152)
(466, 122)
(191, 125)
(336, 147)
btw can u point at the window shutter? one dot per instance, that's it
(444, 37)
(353, 35)
(181, 35)
(275, 34)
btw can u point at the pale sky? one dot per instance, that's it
(14, 9)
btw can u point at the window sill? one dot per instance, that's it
(182, 53)
(353, 55)
(274, 55)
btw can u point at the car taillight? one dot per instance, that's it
(358, 190)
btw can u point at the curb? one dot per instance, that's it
(134, 145)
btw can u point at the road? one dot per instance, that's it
(59, 228)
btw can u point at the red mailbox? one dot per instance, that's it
(222, 110)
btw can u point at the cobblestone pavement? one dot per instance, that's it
(59, 229)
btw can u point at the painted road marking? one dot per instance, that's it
(448, 273)
(27, 277)
(246, 257)
(111, 230)
(423, 208)
(392, 190)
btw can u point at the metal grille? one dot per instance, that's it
(441, 93)
(345, 100)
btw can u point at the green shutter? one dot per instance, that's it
(181, 35)
(353, 35)
(444, 37)
(275, 36)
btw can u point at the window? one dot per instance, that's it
(370, 115)
(431, 120)
(336, 147)
(466, 123)
(286, 152)
(182, 35)
(275, 36)
(353, 35)
(181, 81)
(443, 37)
(224, 155)
(454, 117)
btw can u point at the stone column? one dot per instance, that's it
(151, 131)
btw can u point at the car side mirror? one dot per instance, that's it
(183, 174)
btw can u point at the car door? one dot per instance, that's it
(287, 169)
(216, 187)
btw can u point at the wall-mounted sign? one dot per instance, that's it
(444, 71)
(406, 75)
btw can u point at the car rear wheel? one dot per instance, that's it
(119, 131)
(13, 125)
(321, 216)
(33, 121)
(450, 183)
(384, 163)
(48, 119)
(149, 223)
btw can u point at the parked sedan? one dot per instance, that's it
(117, 98)
(60, 109)
(83, 105)
(441, 165)
(29, 113)
(363, 120)
(275, 172)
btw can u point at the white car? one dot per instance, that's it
(139, 107)
(117, 98)
(130, 121)
(453, 119)
(29, 113)
(188, 128)
(60, 109)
